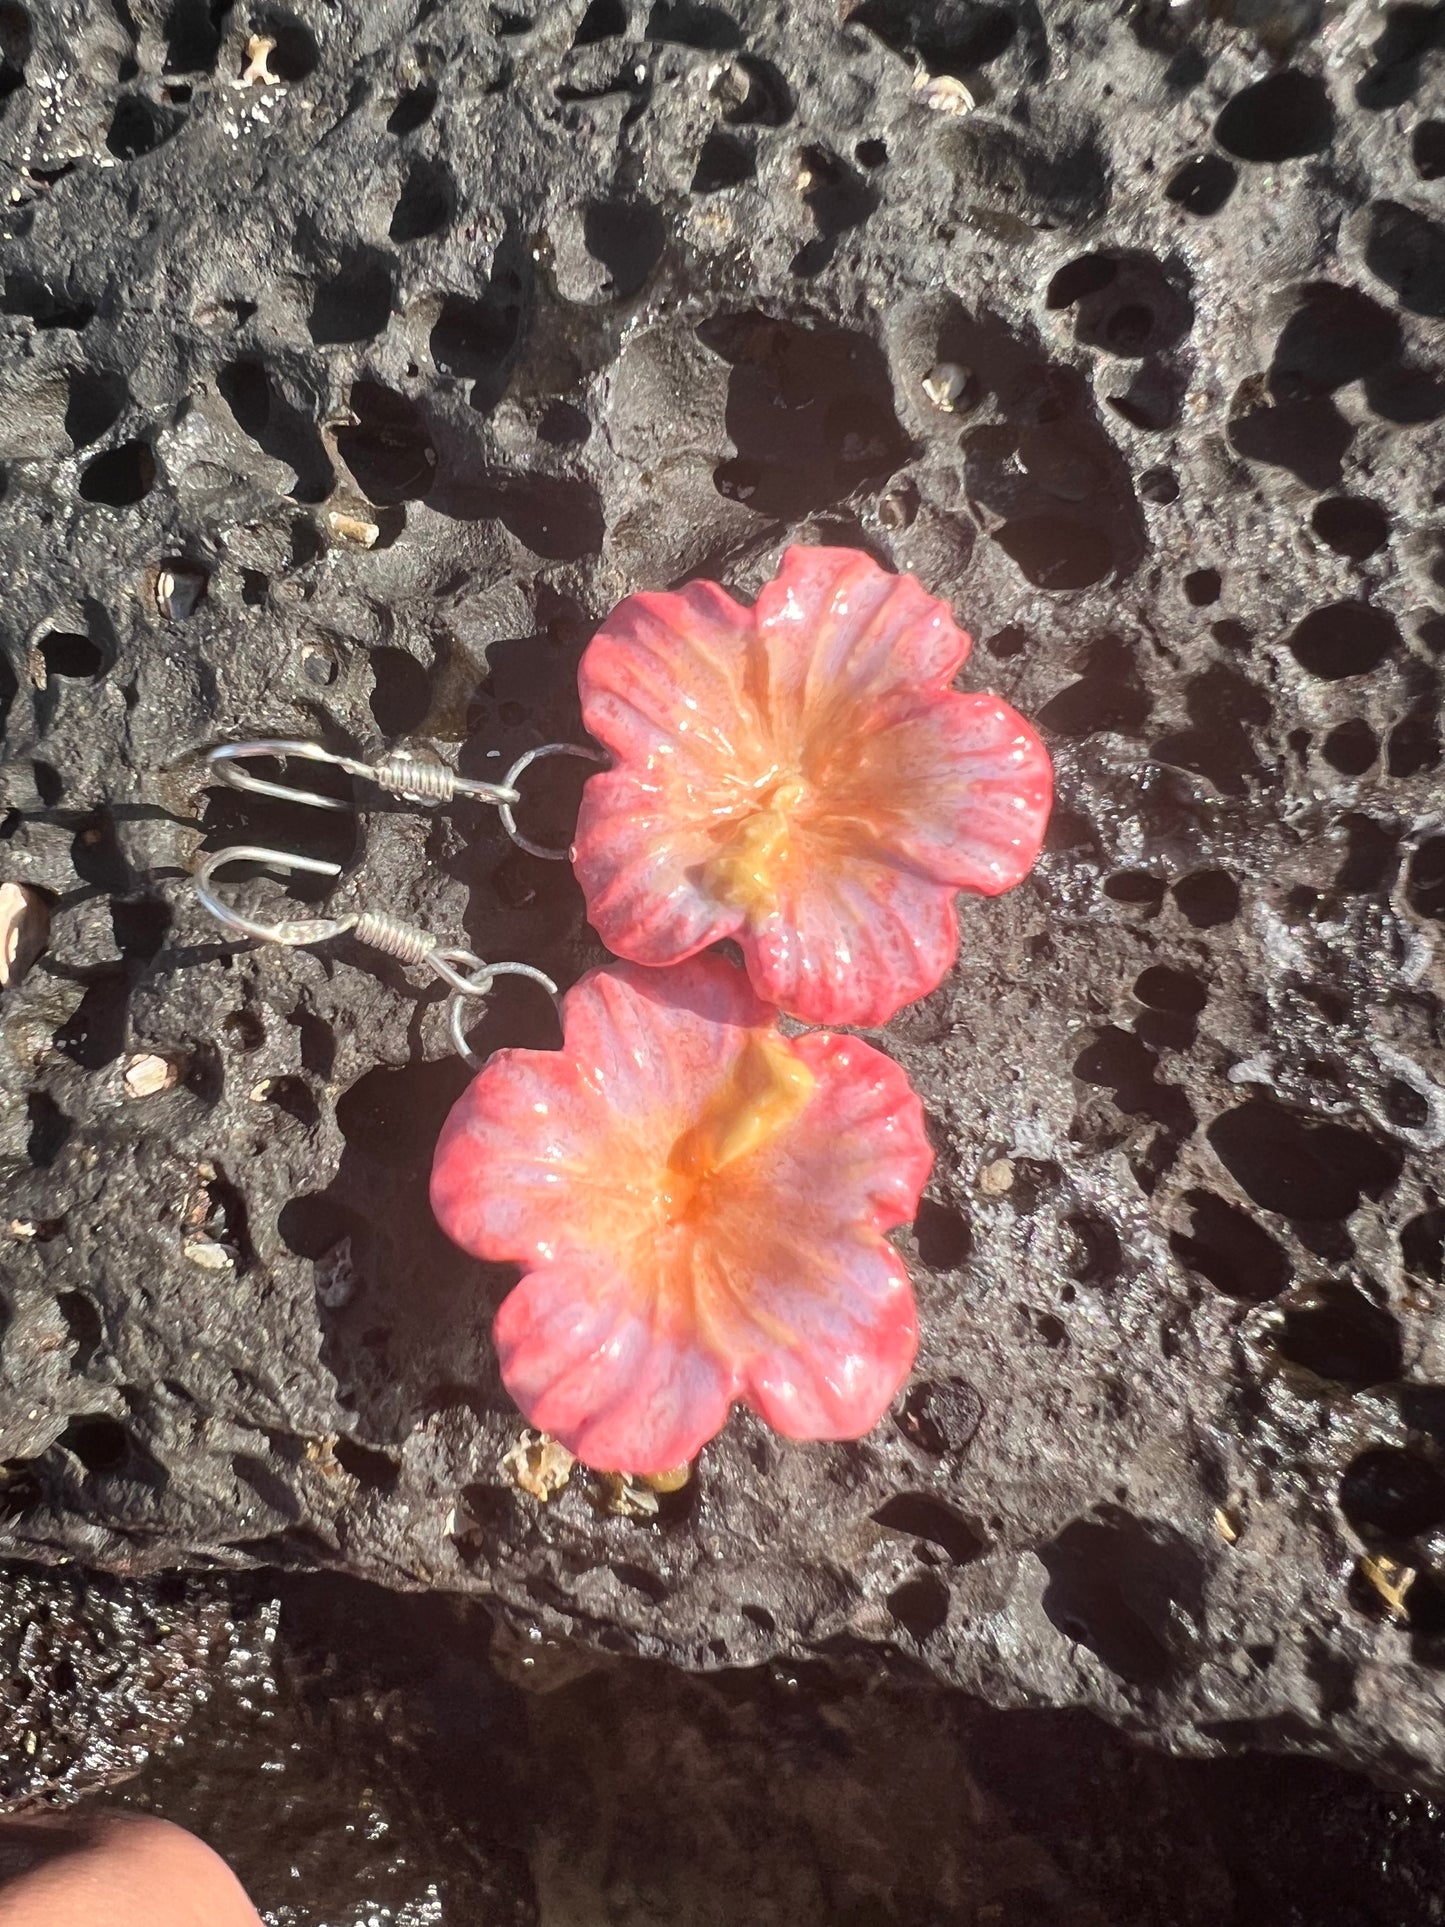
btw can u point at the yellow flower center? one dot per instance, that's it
(744, 871)
(767, 1090)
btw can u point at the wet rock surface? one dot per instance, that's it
(373, 1759)
(345, 402)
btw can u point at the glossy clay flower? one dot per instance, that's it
(699, 1204)
(800, 776)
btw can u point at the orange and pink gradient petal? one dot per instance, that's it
(699, 1205)
(801, 776)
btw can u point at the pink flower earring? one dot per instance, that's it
(699, 1206)
(800, 776)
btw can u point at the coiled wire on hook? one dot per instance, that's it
(468, 977)
(414, 779)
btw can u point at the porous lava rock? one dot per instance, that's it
(349, 380)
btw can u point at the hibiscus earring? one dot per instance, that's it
(800, 776)
(699, 1206)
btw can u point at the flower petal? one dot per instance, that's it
(960, 788)
(839, 635)
(592, 1360)
(855, 943)
(827, 1327)
(553, 1151)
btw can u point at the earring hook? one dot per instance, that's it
(467, 976)
(400, 773)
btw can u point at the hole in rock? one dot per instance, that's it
(1057, 552)
(120, 477)
(942, 1235)
(1124, 1065)
(627, 237)
(1169, 988)
(725, 161)
(100, 1442)
(1120, 1588)
(552, 515)
(94, 1035)
(1344, 639)
(67, 654)
(1159, 486)
(49, 1128)
(1207, 898)
(920, 1606)
(426, 203)
(1422, 1246)
(1351, 526)
(83, 1325)
(138, 126)
(1370, 859)
(1404, 1105)
(478, 340)
(1427, 150)
(401, 691)
(1339, 1334)
(1091, 1248)
(838, 198)
(603, 20)
(920, 1516)
(947, 37)
(244, 1029)
(809, 411)
(1278, 119)
(393, 1115)
(49, 785)
(1089, 274)
(692, 24)
(1410, 33)
(563, 426)
(1351, 748)
(296, 52)
(1202, 185)
(314, 1225)
(1426, 885)
(293, 1096)
(377, 1471)
(1415, 742)
(1335, 336)
(388, 449)
(413, 109)
(941, 1416)
(96, 855)
(1406, 251)
(1137, 887)
(355, 303)
(1227, 1247)
(1301, 1169)
(1109, 694)
(1202, 587)
(754, 94)
(94, 404)
(1390, 1493)
(278, 429)
(1223, 705)
(1308, 438)
(871, 153)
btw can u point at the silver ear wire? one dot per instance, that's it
(467, 976)
(415, 779)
